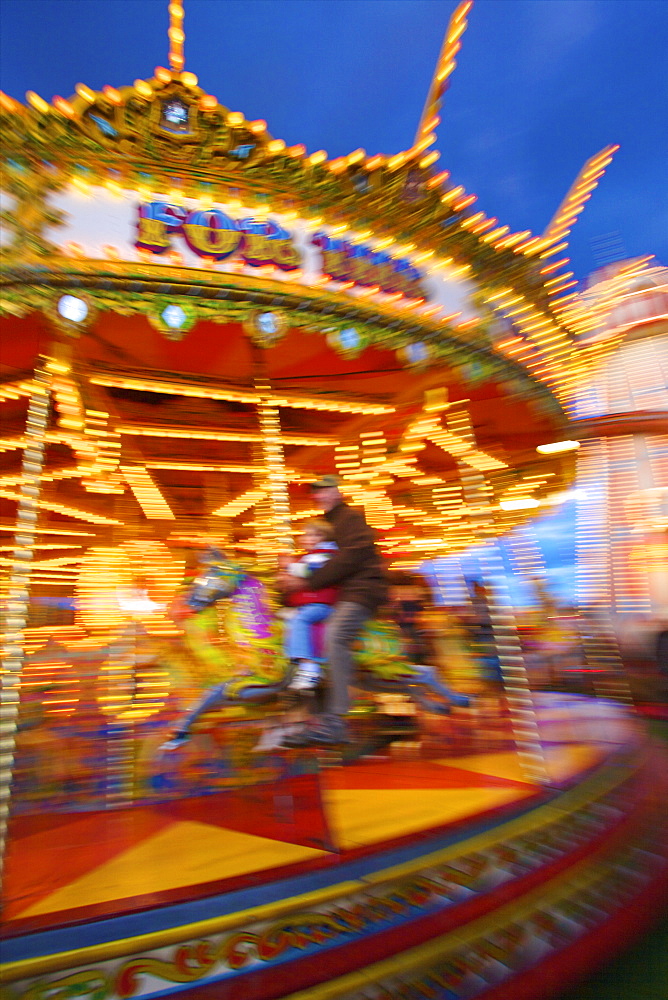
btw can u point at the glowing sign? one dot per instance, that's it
(213, 234)
(343, 260)
(99, 223)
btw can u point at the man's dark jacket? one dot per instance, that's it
(357, 566)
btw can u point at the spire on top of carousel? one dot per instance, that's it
(176, 36)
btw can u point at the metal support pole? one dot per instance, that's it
(276, 532)
(518, 692)
(19, 588)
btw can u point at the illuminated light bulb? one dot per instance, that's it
(452, 194)
(174, 316)
(432, 123)
(529, 245)
(374, 162)
(356, 156)
(112, 185)
(349, 338)
(318, 157)
(75, 310)
(162, 74)
(419, 147)
(463, 203)
(189, 79)
(430, 158)
(74, 249)
(420, 258)
(143, 88)
(556, 281)
(85, 93)
(555, 266)
(483, 225)
(521, 503)
(438, 179)
(235, 118)
(471, 220)
(112, 95)
(7, 103)
(55, 367)
(82, 185)
(396, 161)
(275, 146)
(509, 241)
(65, 108)
(561, 288)
(468, 324)
(37, 102)
(595, 171)
(500, 231)
(557, 447)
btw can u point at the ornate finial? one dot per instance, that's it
(580, 191)
(446, 63)
(176, 35)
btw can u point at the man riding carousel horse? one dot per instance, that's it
(354, 567)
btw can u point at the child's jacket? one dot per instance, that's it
(303, 568)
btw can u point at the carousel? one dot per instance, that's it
(199, 321)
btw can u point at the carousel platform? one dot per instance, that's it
(401, 873)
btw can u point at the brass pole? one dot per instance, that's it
(18, 597)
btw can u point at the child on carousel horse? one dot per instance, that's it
(309, 606)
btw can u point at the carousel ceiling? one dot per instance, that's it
(435, 459)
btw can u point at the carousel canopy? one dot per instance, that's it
(218, 319)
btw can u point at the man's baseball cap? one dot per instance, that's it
(325, 483)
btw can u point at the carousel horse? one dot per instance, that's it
(258, 671)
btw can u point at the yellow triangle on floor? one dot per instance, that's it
(497, 765)
(360, 816)
(570, 760)
(562, 762)
(185, 854)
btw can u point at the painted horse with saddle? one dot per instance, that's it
(252, 670)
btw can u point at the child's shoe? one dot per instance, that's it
(306, 676)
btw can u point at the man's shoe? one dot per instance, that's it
(272, 739)
(177, 740)
(326, 731)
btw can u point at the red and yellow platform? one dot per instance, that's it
(391, 876)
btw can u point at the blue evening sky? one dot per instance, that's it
(540, 86)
